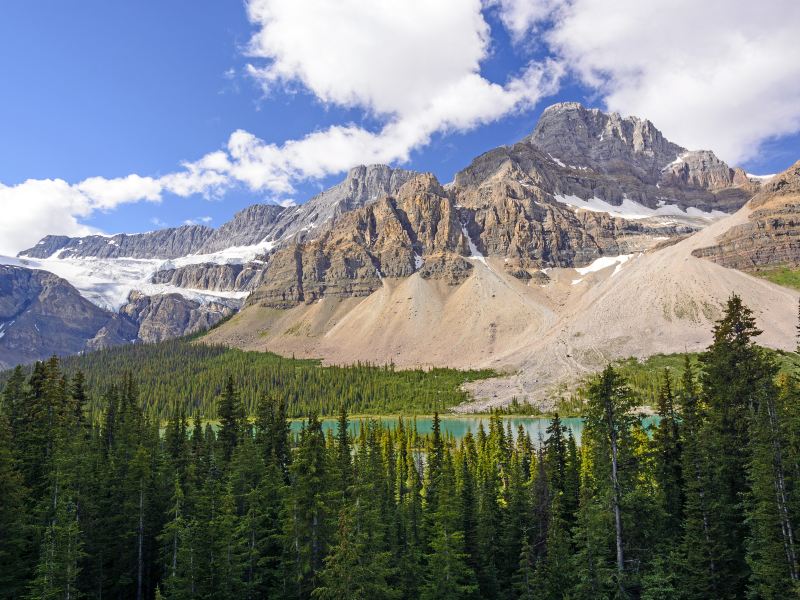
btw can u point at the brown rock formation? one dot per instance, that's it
(771, 236)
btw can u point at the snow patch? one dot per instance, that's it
(760, 177)
(474, 253)
(678, 160)
(630, 209)
(555, 160)
(603, 262)
(418, 262)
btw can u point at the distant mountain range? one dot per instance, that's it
(488, 270)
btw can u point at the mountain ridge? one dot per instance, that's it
(509, 246)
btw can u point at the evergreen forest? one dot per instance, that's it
(98, 500)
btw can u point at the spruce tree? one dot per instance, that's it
(734, 374)
(668, 461)
(353, 570)
(15, 523)
(609, 420)
(307, 516)
(231, 418)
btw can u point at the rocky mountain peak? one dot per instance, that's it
(576, 135)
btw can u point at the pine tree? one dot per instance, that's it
(668, 461)
(15, 522)
(344, 459)
(698, 550)
(353, 570)
(447, 575)
(272, 433)
(609, 420)
(771, 544)
(231, 417)
(552, 576)
(734, 373)
(307, 520)
(524, 583)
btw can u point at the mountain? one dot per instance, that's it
(41, 314)
(578, 244)
(771, 235)
(542, 332)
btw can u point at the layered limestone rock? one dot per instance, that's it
(248, 227)
(42, 314)
(771, 235)
(422, 228)
(171, 315)
(392, 237)
(589, 153)
(608, 142)
(164, 243)
(213, 277)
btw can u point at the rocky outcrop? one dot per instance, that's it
(362, 186)
(212, 276)
(253, 225)
(163, 243)
(422, 228)
(171, 315)
(388, 238)
(42, 314)
(248, 227)
(588, 153)
(604, 142)
(771, 235)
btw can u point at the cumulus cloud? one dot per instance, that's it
(720, 74)
(415, 66)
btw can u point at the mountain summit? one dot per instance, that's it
(391, 265)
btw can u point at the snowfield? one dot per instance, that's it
(633, 210)
(107, 282)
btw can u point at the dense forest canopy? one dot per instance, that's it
(179, 375)
(704, 505)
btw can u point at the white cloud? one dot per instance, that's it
(195, 221)
(158, 222)
(413, 65)
(522, 16)
(720, 74)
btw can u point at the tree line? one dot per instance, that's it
(705, 504)
(178, 375)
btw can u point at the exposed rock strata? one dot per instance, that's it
(771, 236)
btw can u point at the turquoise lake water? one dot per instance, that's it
(458, 426)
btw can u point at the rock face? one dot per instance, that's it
(250, 226)
(422, 228)
(361, 186)
(604, 142)
(771, 236)
(528, 207)
(388, 238)
(211, 276)
(612, 158)
(164, 243)
(41, 315)
(171, 315)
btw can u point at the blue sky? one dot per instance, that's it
(102, 91)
